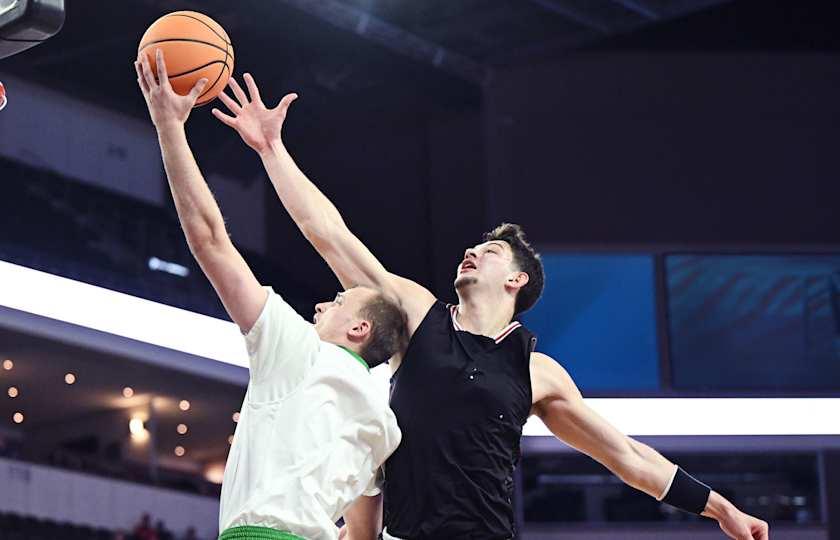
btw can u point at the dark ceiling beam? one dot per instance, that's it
(639, 7)
(393, 37)
(576, 15)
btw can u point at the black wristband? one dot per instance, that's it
(687, 493)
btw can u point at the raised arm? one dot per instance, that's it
(559, 404)
(317, 218)
(200, 217)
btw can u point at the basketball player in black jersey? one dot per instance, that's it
(468, 378)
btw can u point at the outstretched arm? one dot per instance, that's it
(200, 217)
(559, 404)
(317, 218)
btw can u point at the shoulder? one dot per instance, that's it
(415, 300)
(550, 380)
(546, 365)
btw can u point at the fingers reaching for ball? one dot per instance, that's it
(146, 76)
(252, 88)
(286, 102)
(226, 119)
(162, 77)
(197, 89)
(230, 103)
(238, 92)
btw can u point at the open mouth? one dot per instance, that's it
(467, 265)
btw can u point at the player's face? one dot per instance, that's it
(490, 262)
(334, 319)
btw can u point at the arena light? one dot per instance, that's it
(215, 473)
(175, 269)
(713, 416)
(100, 309)
(121, 314)
(138, 430)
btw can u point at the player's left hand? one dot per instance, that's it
(260, 127)
(740, 526)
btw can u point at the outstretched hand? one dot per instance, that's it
(741, 526)
(166, 107)
(260, 127)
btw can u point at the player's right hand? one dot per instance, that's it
(741, 526)
(166, 107)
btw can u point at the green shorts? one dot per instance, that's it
(247, 532)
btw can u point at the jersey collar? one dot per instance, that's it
(505, 332)
(357, 357)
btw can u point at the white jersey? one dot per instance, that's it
(313, 431)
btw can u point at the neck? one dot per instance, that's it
(483, 316)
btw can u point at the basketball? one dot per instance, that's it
(194, 47)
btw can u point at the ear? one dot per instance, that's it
(517, 280)
(359, 331)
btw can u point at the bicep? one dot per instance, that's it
(570, 419)
(576, 424)
(234, 282)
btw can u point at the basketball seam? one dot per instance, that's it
(146, 46)
(196, 69)
(202, 22)
(221, 71)
(212, 85)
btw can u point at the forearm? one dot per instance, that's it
(646, 469)
(197, 209)
(650, 479)
(310, 209)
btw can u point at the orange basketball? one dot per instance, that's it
(194, 47)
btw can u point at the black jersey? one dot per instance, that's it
(461, 400)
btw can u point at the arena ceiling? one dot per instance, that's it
(345, 47)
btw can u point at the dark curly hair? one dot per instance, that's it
(526, 260)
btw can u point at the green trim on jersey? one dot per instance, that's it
(357, 357)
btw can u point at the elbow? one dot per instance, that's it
(320, 231)
(205, 240)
